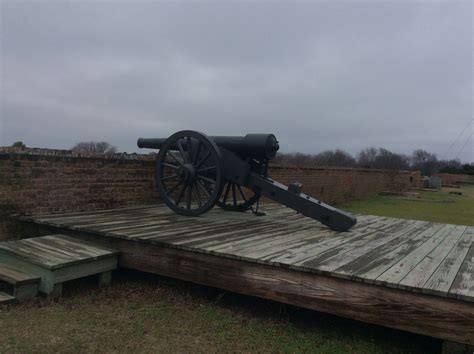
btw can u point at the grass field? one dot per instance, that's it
(145, 313)
(431, 206)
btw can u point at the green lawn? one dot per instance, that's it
(431, 206)
(145, 313)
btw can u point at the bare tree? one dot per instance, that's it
(392, 161)
(334, 158)
(94, 147)
(372, 157)
(366, 157)
(424, 161)
(295, 159)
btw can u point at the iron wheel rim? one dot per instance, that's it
(188, 173)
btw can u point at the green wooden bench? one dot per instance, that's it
(56, 259)
(25, 285)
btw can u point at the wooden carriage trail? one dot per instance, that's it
(412, 275)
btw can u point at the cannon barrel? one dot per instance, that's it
(258, 146)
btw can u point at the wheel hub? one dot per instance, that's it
(187, 173)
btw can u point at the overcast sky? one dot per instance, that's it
(320, 75)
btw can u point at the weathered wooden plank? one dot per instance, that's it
(299, 256)
(347, 252)
(420, 274)
(463, 284)
(369, 266)
(6, 298)
(16, 277)
(191, 234)
(240, 241)
(114, 220)
(400, 269)
(54, 251)
(248, 242)
(441, 280)
(93, 213)
(276, 242)
(89, 217)
(360, 248)
(29, 254)
(50, 249)
(282, 255)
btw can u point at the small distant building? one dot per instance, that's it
(435, 182)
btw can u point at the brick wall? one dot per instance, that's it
(451, 178)
(34, 181)
(52, 181)
(336, 185)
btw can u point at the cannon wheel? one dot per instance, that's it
(189, 173)
(236, 198)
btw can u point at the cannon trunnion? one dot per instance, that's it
(194, 172)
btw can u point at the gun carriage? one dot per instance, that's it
(194, 172)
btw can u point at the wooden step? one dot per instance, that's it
(25, 285)
(6, 298)
(58, 258)
(14, 276)
(54, 251)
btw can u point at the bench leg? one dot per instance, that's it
(105, 278)
(457, 348)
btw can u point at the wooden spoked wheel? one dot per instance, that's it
(189, 173)
(237, 198)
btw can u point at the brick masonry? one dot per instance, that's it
(337, 185)
(38, 181)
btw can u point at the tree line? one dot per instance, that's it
(371, 157)
(378, 158)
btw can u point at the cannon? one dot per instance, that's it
(194, 172)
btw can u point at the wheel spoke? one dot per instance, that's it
(181, 151)
(190, 149)
(188, 197)
(242, 192)
(198, 197)
(233, 194)
(175, 158)
(169, 177)
(203, 188)
(207, 179)
(196, 155)
(168, 192)
(170, 165)
(204, 169)
(180, 195)
(226, 193)
(203, 159)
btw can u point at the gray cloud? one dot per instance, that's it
(320, 75)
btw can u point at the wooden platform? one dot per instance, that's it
(413, 275)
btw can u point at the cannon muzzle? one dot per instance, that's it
(257, 146)
(150, 143)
